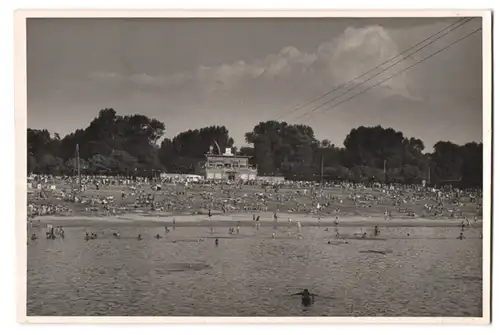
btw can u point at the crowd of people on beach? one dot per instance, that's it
(57, 196)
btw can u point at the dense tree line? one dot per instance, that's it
(128, 145)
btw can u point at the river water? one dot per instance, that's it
(417, 272)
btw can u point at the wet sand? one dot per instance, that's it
(244, 219)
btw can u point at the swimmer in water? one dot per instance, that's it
(274, 235)
(216, 241)
(158, 236)
(139, 237)
(307, 298)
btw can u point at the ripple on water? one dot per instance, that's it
(254, 275)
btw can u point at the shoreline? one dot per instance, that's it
(243, 219)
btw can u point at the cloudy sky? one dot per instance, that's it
(191, 73)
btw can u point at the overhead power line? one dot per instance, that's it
(400, 72)
(464, 20)
(380, 72)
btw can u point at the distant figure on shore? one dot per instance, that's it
(307, 298)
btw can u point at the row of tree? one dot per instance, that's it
(128, 145)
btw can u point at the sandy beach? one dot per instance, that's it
(243, 219)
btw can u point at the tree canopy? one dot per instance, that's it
(130, 145)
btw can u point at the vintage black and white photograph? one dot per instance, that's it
(245, 166)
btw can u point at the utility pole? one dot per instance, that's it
(77, 154)
(385, 171)
(322, 163)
